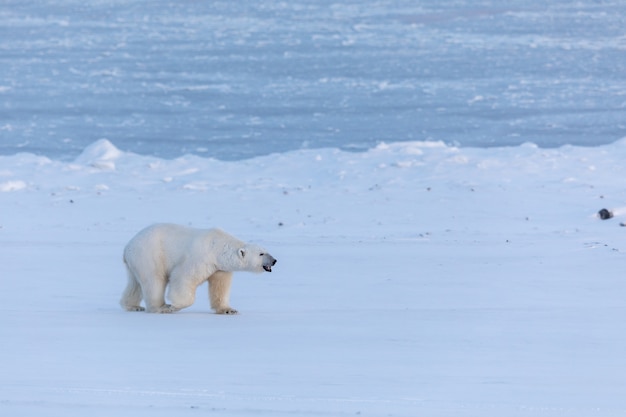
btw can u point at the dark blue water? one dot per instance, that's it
(237, 79)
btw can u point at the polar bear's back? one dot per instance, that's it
(170, 243)
(160, 241)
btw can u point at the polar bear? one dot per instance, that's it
(184, 258)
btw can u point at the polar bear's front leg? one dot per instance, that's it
(219, 292)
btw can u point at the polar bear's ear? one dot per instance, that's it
(242, 253)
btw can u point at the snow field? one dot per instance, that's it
(411, 279)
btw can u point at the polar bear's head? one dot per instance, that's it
(255, 258)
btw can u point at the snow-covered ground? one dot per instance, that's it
(412, 279)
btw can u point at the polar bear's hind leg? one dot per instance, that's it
(154, 296)
(153, 285)
(182, 291)
(131, 298)
(166, 309)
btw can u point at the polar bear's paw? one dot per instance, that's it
(134, 308)
(226, 310)
(166, 309)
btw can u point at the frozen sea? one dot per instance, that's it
(234, 80)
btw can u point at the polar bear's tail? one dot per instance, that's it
(131, 298)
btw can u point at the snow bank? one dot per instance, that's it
(413, 279)
(12, 186)
(101, 154)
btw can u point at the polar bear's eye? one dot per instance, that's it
(262, 254)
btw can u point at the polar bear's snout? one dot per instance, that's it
(268, 262)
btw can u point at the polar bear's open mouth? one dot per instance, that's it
(268, 266)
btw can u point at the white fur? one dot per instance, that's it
(183, 258)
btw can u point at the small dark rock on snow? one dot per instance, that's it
(605, 214)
